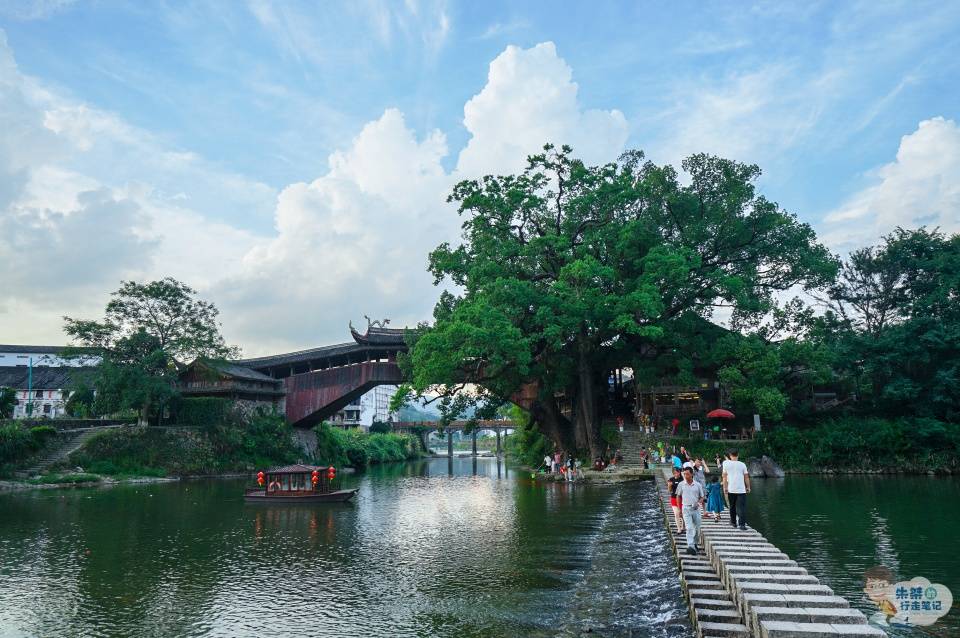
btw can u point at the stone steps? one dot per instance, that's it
(743, 586)
(71, 441)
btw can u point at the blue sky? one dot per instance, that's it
(290, 159)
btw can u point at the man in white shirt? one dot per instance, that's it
(736, 483)
(690, 496)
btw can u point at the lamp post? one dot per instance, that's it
(30, 387)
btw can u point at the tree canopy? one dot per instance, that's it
(893, 318)
(567, 271)
(148, 332)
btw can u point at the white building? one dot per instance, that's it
(42, 393)
(363, 412)
(42, 380)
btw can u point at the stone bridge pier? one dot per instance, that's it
(422, 429)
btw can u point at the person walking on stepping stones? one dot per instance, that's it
(736, 483)
(690, 495)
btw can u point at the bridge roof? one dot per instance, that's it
(375, 338)
(300, 356)
(380, 336)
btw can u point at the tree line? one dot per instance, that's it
(567, 271)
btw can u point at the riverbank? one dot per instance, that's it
(66, 480)
(620, 475)
(848, 445)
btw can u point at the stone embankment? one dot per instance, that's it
(741, 586)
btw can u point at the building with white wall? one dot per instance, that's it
(42, 380)
(363, 412)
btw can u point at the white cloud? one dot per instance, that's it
(84, 204)
(530, 98)
(91, 199)
(751, 117)
(32, 9)
(353, 241)
(920, 187)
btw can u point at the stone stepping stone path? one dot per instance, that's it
(740, 586)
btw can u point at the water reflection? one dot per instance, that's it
(446, 547)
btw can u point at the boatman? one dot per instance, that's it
(690, 496)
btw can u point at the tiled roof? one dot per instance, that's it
(300, 356)
(380, 336)
(234, 370)
(30, 349)
(44, 377)
(296, 468)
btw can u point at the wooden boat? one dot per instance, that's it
(298, 484)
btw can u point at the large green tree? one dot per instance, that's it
(567, 271)
(149, 331)
(8, 401)
(894, 319)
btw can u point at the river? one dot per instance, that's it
(840, 526)
(431, 548)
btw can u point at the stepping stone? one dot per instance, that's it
(724, 630)
(717, 615)
(780, 588)
(835, 616)
(705, 584)
(712, 603)
(783, 629)
(707, 593)
(770, 577)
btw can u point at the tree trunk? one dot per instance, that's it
(588, 402)
(551, 423)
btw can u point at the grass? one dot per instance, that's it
(65, 479)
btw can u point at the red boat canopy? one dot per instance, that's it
(720, 413)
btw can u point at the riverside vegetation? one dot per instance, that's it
(210, 437)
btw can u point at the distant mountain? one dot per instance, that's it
(414, 413)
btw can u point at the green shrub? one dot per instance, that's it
(262, 441)
(610, 434)
(42, 434)
(65, 479)
(17, 443)
(526, 444)
(864, 443)
(356, 448)
(379, 427)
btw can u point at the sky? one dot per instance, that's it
(291, 160)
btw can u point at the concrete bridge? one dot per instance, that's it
(422, 429)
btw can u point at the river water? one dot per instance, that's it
(839, 526)
(433, 548)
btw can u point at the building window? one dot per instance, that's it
(688, 398)
(46, 408)
(38, 394)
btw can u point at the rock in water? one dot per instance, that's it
(755, 467)
(770, 467)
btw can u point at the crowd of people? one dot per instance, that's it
(571, 468)
(692, 498)
(566, 465)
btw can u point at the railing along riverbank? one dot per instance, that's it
(740, 586)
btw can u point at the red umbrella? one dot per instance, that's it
(720, 413)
